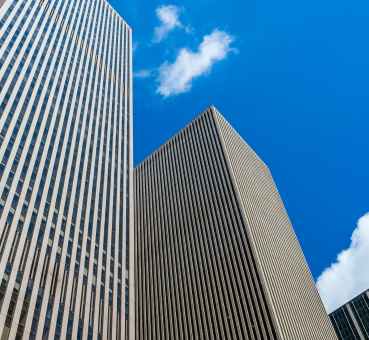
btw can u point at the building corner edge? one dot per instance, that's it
(131, 240)
(216, 115)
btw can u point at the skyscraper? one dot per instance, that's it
(216, 255)
(351, 321)
(65, 170)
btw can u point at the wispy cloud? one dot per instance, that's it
(348, 276)
(175, 78)
(168, 16)
(135, 46)
(145, 73)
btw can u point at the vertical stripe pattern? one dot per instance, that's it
(197, 272)
(297, 307)
(195, 275)
(351, 321)
(65, 170)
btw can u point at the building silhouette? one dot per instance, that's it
(65, 170)
(216, 255)
(351, 321)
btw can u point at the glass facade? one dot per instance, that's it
(351, 321)
(65, 169)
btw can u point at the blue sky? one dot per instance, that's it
(293, 79)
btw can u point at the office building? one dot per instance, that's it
(351, 321)
(216, 255)
(65, 170)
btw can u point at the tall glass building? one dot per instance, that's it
(65, 170)
(351, 321)
(216, 255)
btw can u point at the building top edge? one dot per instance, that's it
(349, 301)
(173, 137)
(118, 14)
(211, 109)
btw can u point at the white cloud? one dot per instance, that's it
(177, 77)
(142, 74)
(349, 275)
(169, 20)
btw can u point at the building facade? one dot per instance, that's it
(65, 170)
(216, 255)
(351, 321)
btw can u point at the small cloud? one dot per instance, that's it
(177, 77)
(142, 74)
(348, 276)
(169, 20)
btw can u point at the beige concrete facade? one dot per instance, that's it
(216, 255)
